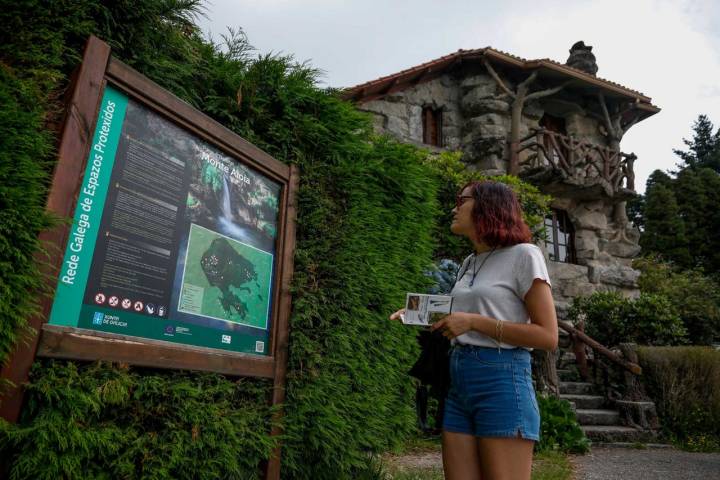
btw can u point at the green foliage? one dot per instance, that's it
(703, 148)
(559, 429)
(367, 208)
(664, 228)
(24, 149)
(453, 175)
(680, 216)
(698, 195)
(684, 382)
(693, 295)
(551, 465)
(612, 319)
(105, 421)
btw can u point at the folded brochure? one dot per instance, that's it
(422, 309)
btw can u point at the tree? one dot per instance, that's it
(680, 216)
(664, 228)
(520, 97)
(636, 206)
(704, 147)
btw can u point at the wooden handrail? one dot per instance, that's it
(598, 347)
(566, 154)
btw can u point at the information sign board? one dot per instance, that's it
(180, 249)
(172, 239)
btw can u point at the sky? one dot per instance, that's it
(667, 49)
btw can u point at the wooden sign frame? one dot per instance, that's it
(97, 70)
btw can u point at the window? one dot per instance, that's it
(560, 237)
(432, 126)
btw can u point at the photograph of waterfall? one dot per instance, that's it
(229, 198)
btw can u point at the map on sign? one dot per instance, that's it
(225, 279)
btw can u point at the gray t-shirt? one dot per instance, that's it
(499, 288)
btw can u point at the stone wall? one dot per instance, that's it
(400, 114)
(476, 120)
(604, 253)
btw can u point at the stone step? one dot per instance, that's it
(568, 374)
(567, 357)
(613, 433)
(576, 388)
(595, 416)
(584, 401)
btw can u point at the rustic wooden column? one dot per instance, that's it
(76, 134)
(282, 338)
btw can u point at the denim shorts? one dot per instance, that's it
(491, 393)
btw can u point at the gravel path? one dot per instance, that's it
(423, 460)
(650, 464)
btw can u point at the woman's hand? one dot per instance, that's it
(396, 315)
(454, 324)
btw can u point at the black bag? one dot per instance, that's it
(432, 368)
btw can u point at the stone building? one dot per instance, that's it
(558, 126)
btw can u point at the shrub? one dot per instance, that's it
(443, 275)
(684, 382)
(106, 421)
(612, 319)
(695, 297)
(559, 429)
(23, 147)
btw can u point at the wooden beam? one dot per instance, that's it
(75, 344)
(598, 347)
(389, 86)
(153, 95)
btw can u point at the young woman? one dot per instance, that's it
(502, 309)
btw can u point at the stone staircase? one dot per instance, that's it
(601, 420)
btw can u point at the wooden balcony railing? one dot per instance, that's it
(576, 162)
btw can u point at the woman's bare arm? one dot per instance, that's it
(541, 332)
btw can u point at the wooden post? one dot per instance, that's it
(272, 471)
(580, 354)
(75, 140)
(513, 166)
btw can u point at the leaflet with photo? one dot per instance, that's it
(424, 310)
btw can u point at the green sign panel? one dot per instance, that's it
(171, 239)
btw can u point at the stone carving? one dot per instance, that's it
(582, 58)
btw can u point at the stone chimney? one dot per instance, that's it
(582, 58)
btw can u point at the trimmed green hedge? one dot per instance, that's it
(105, 421)
(24, 150)
(684, 382)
